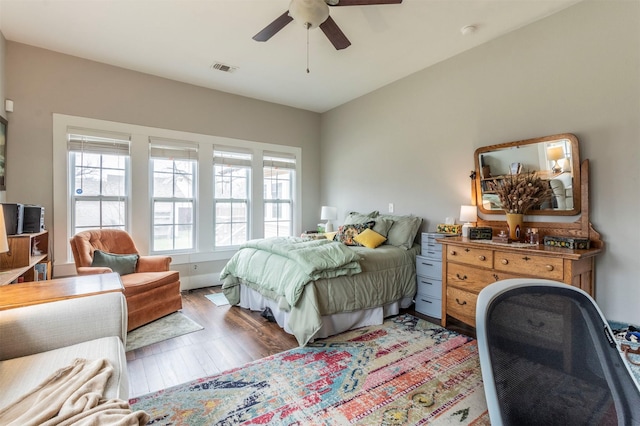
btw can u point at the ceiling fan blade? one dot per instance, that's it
(362, 2)
(271, 29)
(335, 34)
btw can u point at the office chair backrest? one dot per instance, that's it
(549, 357)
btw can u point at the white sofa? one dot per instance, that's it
(37, 340)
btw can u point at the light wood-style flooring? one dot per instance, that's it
(231, 337)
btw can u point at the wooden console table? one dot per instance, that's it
(33, 293)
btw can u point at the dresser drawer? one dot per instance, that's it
(532, 265)
(429, 305)
(462, 305)
(470, 256)
(473, 279)
(428, 267)
(430, 287)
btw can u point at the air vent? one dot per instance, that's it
(223, 67)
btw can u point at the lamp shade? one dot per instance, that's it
(328, 213)
(468, 214)
(555, 153)
(4, 244)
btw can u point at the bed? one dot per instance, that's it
(318, 288)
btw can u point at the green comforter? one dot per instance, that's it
(388, 275)
(284, 265)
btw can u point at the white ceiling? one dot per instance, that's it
(181, 39)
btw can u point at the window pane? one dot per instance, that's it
(113, 213)
(162, 213)
(113, 183)
(183, 237)
(223, 234)
(163, 238)
(87, 213)
(113, 161)
(184, 213)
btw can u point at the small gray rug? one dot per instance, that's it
(168, 327)
(218, 298)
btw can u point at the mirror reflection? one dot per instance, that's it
(555, 159)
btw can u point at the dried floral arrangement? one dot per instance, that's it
(519, 193)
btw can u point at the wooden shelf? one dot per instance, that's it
(20, 261)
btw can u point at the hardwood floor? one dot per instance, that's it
(231, 337)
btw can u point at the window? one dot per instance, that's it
(194, 196)
(99, 176)
(232, 178)
(173, 177)
(279, 173)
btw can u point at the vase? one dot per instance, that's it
(515, 223)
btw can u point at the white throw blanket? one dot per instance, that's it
(73, 395)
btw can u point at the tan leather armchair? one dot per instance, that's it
(152, 291)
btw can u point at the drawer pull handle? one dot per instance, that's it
(481, 257)
(427, 264)
(452, 253)
(504, 261)
(538, 325)
(464, 302)
(496, 277)
(426, 301)
(550, 268)
(426, 282)
(462, 278)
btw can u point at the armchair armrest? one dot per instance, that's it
(153, 263)
(91, 270)
(38, 328)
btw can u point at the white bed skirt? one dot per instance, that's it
(331, 324)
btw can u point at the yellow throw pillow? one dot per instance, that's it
(369, 238)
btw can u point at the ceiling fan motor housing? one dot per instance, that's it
(311, 13)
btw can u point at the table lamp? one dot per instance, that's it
(328, 213)
(468, 214)
(555, 153)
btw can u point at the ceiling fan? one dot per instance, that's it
(313, 14)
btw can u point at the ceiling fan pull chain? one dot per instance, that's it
(308, 25)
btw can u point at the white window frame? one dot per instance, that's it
(139, 211)
(91, 141)
(234, 157)
(163, 149)
(279, 160)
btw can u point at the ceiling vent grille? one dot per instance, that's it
(223, 67)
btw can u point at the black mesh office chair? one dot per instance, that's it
(548, 357)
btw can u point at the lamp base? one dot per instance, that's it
(465, 229)
(328, 227)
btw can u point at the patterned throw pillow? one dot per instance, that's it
(347, 232)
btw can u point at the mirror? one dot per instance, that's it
(555, 158)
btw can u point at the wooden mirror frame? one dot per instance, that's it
(575, 169)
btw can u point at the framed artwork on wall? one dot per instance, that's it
(3, 153)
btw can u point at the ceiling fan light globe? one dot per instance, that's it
(310, 13)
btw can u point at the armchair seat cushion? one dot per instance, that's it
(141, 282)
(21, 375)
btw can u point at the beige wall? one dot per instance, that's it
(412, 142)
(43, 82)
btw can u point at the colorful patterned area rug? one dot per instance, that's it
(404, 372)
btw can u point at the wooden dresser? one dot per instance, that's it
(469, 266)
